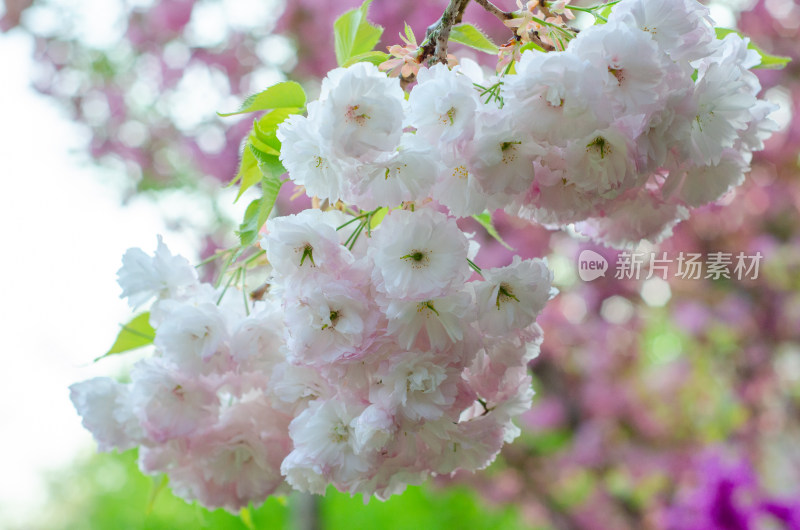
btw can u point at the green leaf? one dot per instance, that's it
(604, 12)
(410, 34)
(269, 164)
(268, 123)
(354, 34)
(262, 142)
(531, 46)
(248, 173)
(262, 149)
(469, 35)
(287, 94)
(772, 62)
(135, 334)
(377, 217)
(374, 57)
(485, 220)
(258, 211)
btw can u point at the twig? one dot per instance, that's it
(496, 11)
(545, 9)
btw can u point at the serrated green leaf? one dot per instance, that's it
(248, 173)
(261, 143)
(268, 123)
(768, 61)
(258, 211)
(374, 57)
(269, 164)
(248, 231)
(354, 34)
(410, 34)
(287, 94)
(485, 220)
(135, 334)
(469, 35)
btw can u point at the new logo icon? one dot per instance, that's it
(591, 265)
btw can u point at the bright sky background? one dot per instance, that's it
(64, 233)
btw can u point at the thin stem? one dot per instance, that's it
(591, 10)
(216, 255)
(223, 269)
(233, 279)
(244, 291)
(353, 220)
(474, 267)
(357, 233)
(254, 257)
(567, 33)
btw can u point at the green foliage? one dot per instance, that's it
(662, 341)
(485, 220)
(418, 507)
(261, 153)
(108, 491)
(376, 218)
(772, 62)
(469, 35)
(374, 57)
(258, 211)
(287, 94)
(248, 173)
(547, 442)
(410, 37)
(354, 35)
(135, 334)
(530, 46)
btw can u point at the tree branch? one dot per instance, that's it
(496, 11)
(438, 33)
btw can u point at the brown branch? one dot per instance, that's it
(496, 11)
(436, 37)
(545, 9)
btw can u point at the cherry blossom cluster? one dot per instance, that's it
(369, 366)
(634, 123)
(374, 362)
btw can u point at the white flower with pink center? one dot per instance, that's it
(144, 277)
(304, 243)
(511, 297)
(418, 255)
(417, 384)
(361, 111)
(168, 403)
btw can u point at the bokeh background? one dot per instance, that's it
(664, 404)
